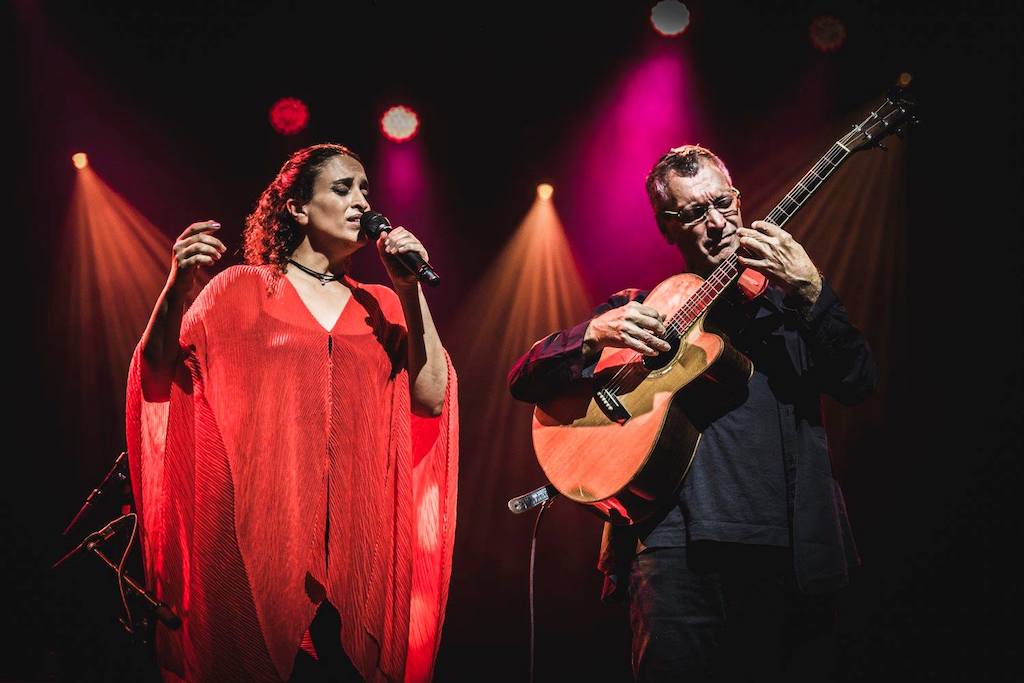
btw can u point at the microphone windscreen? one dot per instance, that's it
(373, 223)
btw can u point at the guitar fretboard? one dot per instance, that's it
(803, 190)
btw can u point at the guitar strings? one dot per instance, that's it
(683, 318)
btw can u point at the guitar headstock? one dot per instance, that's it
(895, 115)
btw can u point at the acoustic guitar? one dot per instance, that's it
(623, 442)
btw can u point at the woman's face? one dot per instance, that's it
(340, 196)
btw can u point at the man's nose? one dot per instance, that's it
(715, 219)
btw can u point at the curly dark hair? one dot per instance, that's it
(685, 161)
(271, 233)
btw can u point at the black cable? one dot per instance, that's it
(533, 555)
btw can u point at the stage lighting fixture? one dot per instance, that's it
(289, 115)
(399, 123)
(670, 18)
(80, 160)
(545, 190)
(827, 33)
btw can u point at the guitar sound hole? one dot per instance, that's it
(663, 359)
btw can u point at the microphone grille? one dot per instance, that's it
(373, 223)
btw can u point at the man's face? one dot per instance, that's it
(709, 241)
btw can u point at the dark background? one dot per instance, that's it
(171, 106)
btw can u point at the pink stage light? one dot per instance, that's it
(80, 160)
(399, 124)
(289, 115)
(654, 105)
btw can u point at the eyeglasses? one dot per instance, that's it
(725, 205)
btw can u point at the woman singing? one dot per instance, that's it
(293, 441)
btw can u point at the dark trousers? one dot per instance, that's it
(725, 612)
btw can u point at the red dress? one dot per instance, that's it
(286, 468)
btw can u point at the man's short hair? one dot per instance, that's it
(685, 161)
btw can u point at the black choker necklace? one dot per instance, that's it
(324, 278)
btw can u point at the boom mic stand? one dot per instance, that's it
(91, 543)
(118, 472)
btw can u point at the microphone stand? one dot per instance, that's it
(117, 472)
(159, 607)
(91, 542)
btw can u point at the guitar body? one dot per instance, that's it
(624, 469)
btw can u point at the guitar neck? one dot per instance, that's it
(729, 269)
(803, 190)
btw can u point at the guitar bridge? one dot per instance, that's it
(611, 406)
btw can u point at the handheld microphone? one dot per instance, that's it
(374, 223)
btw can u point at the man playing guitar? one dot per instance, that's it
(733, 573)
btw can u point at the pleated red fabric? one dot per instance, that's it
(286, 468)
